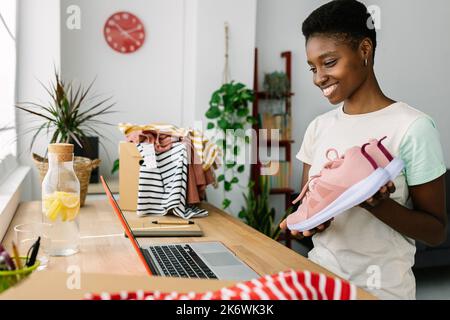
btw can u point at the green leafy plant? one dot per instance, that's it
(277, 85)
(115, 167)
(257, 213)
(228, 112)
(71, 115)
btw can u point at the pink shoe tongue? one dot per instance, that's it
(352, 151)
(335, 164)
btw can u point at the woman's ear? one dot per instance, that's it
(366, 49)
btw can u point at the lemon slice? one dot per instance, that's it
(71, 213)
(47, 202)
(54, 209)
(63, 214)
(69, 200)
(63, 204)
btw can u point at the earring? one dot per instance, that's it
(365, 62)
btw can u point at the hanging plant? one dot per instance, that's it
(229, 110)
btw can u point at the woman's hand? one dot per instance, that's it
(383, 194)
(308, 233)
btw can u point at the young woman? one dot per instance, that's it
(373, 244)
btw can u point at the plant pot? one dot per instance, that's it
(82, 167)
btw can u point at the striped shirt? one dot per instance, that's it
(163, 188)
(289, 285)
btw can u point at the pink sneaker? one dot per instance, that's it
(384, 158)
(342, 184)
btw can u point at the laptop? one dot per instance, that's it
(206, 260)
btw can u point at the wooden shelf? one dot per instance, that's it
(280, 142)
(283, 142)
(281, 191)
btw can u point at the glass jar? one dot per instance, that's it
(61, 201)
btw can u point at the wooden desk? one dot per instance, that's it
(97, 188)
(104, 249)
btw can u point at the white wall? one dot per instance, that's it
(414, 46)
(410, 63)
(146, 85)
(210, 50)
(171, 78)
(38, 50)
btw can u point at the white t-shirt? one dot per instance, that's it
(357, 246)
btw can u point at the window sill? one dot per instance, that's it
(10, 195)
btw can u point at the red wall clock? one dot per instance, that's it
(124, 32)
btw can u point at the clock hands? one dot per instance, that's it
(125, 32)
(117, 26)
(134, 29)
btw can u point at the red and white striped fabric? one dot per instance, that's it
(289, 285)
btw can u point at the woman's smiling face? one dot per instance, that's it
(338, 69)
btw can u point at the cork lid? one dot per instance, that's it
(64, 151)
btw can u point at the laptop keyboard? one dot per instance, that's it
(181, 261)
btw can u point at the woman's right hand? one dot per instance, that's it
(308, 233)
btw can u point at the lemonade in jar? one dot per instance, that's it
(61, 201)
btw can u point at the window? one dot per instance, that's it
(7, 77)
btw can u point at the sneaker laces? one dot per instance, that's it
(308, 188)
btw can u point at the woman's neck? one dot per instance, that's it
(367, 98)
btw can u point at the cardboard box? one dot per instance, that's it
(129, 158)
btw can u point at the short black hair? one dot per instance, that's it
(342, 19)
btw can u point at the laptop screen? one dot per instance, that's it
(124, 223)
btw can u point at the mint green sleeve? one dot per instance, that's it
(421, 151)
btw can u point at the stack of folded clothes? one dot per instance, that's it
(182, 168)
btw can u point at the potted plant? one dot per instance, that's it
(257, 213)
(277, 85)
(229, 111)
(277, 115)
(70, 117)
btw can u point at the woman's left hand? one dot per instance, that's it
(383, 194)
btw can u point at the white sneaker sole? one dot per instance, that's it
(353, 196)
(394, 168)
